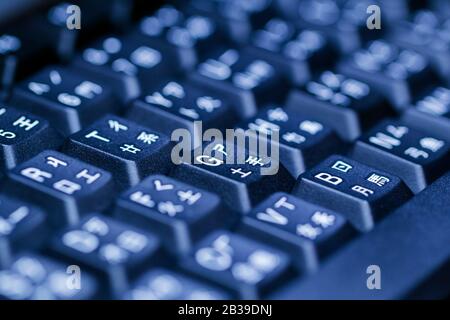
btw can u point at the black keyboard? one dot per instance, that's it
(119, 180)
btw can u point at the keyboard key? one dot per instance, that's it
(112, 249)
(117, 145)
(399, 74)
(299, 54)
(19, 133)
(163, 284)
(180, 104)
(414, 235)
(63, 186)
(10, 46)
(415, 156)
(22, 53)
(63, 39)
(34, 277)
(189, 37)
(361, 193)
(303, 141)
(345, 22)
(431, 113)
(177, 212)
(65, 98)
(347, 105)
(242, 265)
(240, 184)
(245, 81)
(429, 35)
(21, 226)
(304, 230)
(237, 18)
(127, 64)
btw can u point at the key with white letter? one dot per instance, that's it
(361, 193)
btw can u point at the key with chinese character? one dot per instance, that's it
(172, 105)
(63, 186)
(21, 226)
(245, 81)
(189, 36)
(347, 105)
(34, 277)
(415, 156)
(431, 113)
(64, 97)
(126, 64)
(303, 141)
(179, 213)
(241, 176)
(114, 250)
(361, 193)
(117, 145)
(299, 54)
(305, 230)
(163, 284)
(413, 233)
(240, 264)
(236, 18)
(398, 74)
(19, 133)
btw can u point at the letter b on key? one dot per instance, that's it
(329, 178)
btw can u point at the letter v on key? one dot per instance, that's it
(159, 186)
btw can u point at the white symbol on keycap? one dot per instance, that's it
(148, 138)
(159, 186)
(431, 144)
(88, 90)
(69, 99)
(117, 126)
(312, 127)
(362, 190)
(174, 89)
(293, 137)
(25, 123)
(218, 257)
(81, 241)
(158, 99)
(255, 161)
(277, 114)
(323, 219)
(94, 134)
(142, 198)
(170, 208)
(130, 148)
(208, 104)
(416, 153)
(191, 113)
(378, 179)
(189, 196)
(145, 57)
(55, 163)
(39, 88)
(240, 172)
(342, 166)
(308, 231)
(132, 241)
(55, 77)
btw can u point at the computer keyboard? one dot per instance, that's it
(351, 173)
